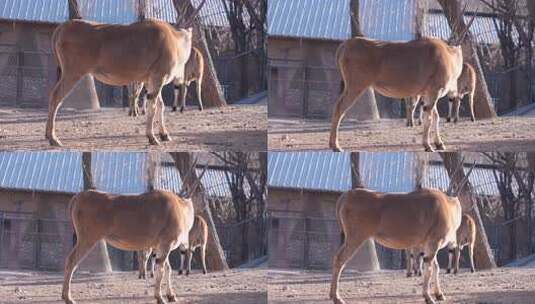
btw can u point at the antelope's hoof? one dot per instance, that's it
(409, 274)
(159, 300)
(456, 120)
(171, 298)
(204, 272)
(180, 272)
(153, 141)
(473, 119)
(428, 300)
(165, 137)
(152, 275)
(472, 270)
(440, 297)
(201, 108)
(441, 146)
(420, 123)
(448, 270)
(448, 119)
(174, 109)
(182, 109)
(187, 272)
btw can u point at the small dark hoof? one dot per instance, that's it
(473, 119)
(152, 275)
(171, 298)
(419, 123)
(448, 119)
(165, 137)
(181, 109)
(153, 141)
(441, 147)
(456, 120)
(204, 272)
(174, 109)
(472, 270)
(409, 274)
(201, 108)
(440, 297)
(448, 271)
(187, 272)
(180, 272)
(160, 301)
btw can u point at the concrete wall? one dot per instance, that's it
(35, 232)
(304, 232)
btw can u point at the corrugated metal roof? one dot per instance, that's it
(107, 11)
(114, 172)
(316, 19)
(53, 11)
(310, 170)
(483, 28)
(380, 171)
(388, 20)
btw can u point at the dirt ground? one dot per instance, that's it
(503, 286)
(503, 134)
(242, 286)
(230, 128)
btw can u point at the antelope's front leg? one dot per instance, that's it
(436, 121)
(438, 292)
(428, 117)
(160, 108)
(171, 295)
(151, 112)
(428, 272)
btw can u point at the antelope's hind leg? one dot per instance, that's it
(57, 95)
(78, 253)
(345, 101)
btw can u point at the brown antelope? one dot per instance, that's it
(466, 236)
(466, 85)
(198, 238)
(150, 51)
(383, 65)
(194, 72)
(167, 219)
(425, 218)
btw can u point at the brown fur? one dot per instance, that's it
(424, 218)
(167, 220)
(383, 66)
(149, 51)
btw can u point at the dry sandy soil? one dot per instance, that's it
(504, 134)
(243, 286)
(229, 128)
(504, 286)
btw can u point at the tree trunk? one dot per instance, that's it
(483, 106)
(98, 259)
(366, 106)
(212, 91)
(84, 95)
(365, 258)
(483, 257)
(215, 257)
